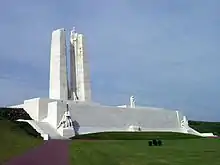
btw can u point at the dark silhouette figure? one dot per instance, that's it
(155, 142)
(150, 143)
(159, 142)
(76, 127)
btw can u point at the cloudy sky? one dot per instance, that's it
(165, 52)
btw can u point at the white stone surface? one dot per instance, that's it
(37, 108)
(56, 110)
(73, 47)
(107, 117)
(84, 115)
(208, 135)
(122, 106)
(46, 136)
(66, 125)
(132, 102)
(80, 82)
(16, 106)
(66, 132)
(44, 129)
(58, 66)
(48, 129)
(92, 118)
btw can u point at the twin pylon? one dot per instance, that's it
(78, 86)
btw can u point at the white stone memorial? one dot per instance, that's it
(58, 66)
(69, 110)
(80, 76)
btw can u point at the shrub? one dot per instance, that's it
(13, 114)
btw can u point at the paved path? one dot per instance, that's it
(52, 152)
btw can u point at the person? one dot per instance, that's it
(159, 142)
(155, 142)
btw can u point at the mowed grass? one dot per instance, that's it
(14, 140)
(134, 136)
(176, 150)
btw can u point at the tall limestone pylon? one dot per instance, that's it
(72, 89)
(80, 85)
(58, 66)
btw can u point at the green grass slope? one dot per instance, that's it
(204, 127)
(123, 148)
(16, 137)
(202, 151)
(134, 136)
(115, 148)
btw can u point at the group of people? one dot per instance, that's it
(155, 142)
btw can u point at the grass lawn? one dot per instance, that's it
(175, 151)
(15, 140)
(135, 135)
(115, 148)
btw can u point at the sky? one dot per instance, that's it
(164, 52)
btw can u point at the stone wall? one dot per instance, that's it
(92, 118)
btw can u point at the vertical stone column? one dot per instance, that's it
(73, 38)
(58, 66)
(80, 74)
(82, 71)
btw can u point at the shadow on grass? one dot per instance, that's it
(8, 117)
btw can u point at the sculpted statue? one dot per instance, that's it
(66, 121)
(132, 102)
(184, 123)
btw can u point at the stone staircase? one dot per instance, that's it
(44, 129)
